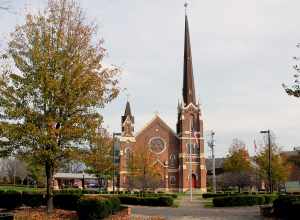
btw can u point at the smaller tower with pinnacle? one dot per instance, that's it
(127, 122)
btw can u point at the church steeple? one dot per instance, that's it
(188, 78)
(127, 110)
(127, 121)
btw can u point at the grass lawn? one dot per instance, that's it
(22, 188)
(207, 202)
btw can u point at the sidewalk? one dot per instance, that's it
(191, 210)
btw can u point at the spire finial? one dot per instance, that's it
(185, 6)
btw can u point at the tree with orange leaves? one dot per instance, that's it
(237, 166)
(144, 170)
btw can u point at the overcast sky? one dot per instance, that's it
(242, 53)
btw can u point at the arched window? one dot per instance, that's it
(128, 156)
(172, 160)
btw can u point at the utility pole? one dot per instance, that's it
(114, 161)
(211, 144)
(269, 161)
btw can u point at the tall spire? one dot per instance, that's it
(188, 78)
(127, 110)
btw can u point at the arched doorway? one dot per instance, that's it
(194, 181)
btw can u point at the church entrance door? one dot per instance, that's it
(194, 181)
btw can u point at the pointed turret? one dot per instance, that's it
(127, 121)
(188, 78)
(127, 110)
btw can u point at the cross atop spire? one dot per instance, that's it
(188, 78)
(185, 6)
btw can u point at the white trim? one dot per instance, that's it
(188, 162)
(191, 104)
(192, 138)
(161, 163)
(127, 139)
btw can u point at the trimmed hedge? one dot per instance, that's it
(91, 208)
(287, 206)
(213, 195)
(33, 199)
(10, 199)
(246, 200)
(147, 201)
(68, 201)
(270, 198)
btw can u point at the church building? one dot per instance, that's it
(179, 154)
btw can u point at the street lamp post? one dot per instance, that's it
(114, 169)
(270, 158)
(211, 144)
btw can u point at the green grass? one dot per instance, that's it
(207, 203)
(22, 188)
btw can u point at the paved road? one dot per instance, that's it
(188, 210)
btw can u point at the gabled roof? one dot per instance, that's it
(156, 117)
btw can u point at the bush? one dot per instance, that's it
(68, 201)
(286, 206)
(213, 195)
(91, 208)
(165, 201)
(69, 191)
(247, 200)
(270, 198)
(10, 199)
(33, 199)
(147, 201)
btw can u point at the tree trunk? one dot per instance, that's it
(49, 175)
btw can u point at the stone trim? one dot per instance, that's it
(127, 139)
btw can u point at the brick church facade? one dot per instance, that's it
(179, 154)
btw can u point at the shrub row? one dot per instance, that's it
(147, 201)
(12, 199)
(97, 207)
(213, 195)
(244, 200)
(88, 207)
(287, 206)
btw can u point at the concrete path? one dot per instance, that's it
(191, 210)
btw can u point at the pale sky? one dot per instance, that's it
(242, 53)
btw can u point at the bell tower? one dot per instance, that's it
(127, 141)
(192, 169)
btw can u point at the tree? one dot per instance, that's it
(14, 169)
(280, 168)
(294, 89)
(99, 156)
(238, 166)
(50, 100)
(144, 169)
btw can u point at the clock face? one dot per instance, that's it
(157, 145)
